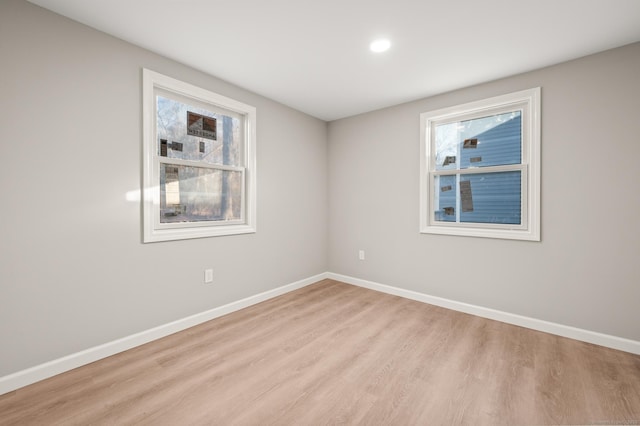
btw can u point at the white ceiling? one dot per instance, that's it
(313, 55)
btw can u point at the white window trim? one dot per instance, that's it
(529, 102)
(153, 230)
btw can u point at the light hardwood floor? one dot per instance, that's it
(332, 353)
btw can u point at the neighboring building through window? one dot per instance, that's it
(199, 158)
(480, 168)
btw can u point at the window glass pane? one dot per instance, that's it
(486, 141)
(447, 138)
(192, 194)
(445, 198)
(491, 198)
(191, 133)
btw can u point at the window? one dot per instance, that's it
(199, 162)
(480, 168)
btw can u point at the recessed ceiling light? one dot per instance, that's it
(380, 45)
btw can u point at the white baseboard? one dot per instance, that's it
(609, 341)
(49, 369)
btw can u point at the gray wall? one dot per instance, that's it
(73, 271)
(74, 274)
(585, 272)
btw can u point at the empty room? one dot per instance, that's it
(308, 213)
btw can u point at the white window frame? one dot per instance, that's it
(153, 230)
(526, 101)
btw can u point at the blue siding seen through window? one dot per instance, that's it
(495, 198)
(483, 197)
(446, 188)
(498, 146)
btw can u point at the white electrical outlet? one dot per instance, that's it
(208, 275)
(361, 254)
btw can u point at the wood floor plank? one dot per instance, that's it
(332, 353)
